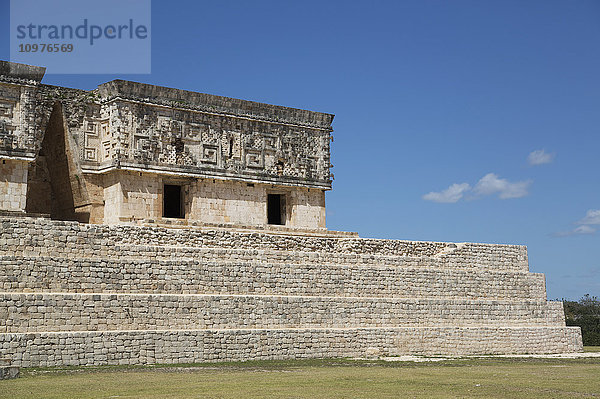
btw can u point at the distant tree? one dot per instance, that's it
(585, 313)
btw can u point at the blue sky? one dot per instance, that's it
(439, 106)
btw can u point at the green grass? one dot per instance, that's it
(476, 378)
(591, 348)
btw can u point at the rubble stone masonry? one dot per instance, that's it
(77, 294)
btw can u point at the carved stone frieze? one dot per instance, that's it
(127, 124)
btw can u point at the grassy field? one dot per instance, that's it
(474, 378)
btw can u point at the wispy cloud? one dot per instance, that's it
(450, 195)
(585, 225)
(540, 157)
(489, 184)
(591, 217)
(579, 230)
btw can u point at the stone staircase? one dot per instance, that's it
(75, 294)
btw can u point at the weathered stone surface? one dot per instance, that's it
(13, 185)
(189, 346)
(45, 237)
(8, 372)
(215, 271)
(87, 294)
(92, 312)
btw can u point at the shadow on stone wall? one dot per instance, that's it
(55, 181)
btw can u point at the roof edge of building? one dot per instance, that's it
(179, 98)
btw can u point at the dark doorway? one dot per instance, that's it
(276, 209)
(172, 206)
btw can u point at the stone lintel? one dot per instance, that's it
(196, 173)
(17, 155)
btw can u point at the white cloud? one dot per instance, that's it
(584, 230)
(579, 230)
(540, 157)
(450, 195)
(491, 184)
(591, 217)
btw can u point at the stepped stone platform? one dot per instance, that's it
(81, 294)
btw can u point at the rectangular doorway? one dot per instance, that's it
(276, 209)
(172, 204)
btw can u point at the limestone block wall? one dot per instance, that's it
(95, 187)
(218, 201)
(211, 273)
(13, 185)
(17, 114)
(136, 197)
(75, 294)
(308, 208)
(39, 189)
(92, 312)
(42, 237)
(131, 196)
(192, 346)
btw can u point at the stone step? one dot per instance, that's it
(207, 276)
(271, 229)
(441, 261)
(47, 349)
(22, 236)
(137, 252)
(67, 311)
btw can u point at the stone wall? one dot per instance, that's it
(211, 272)
(307, 208)
(148, 127)
(180, 139)
(13, 185)
(136, 197)
(193, 346)
(75, 294)
(17, 117)
(216, 201)
(131, 196)
(48, 144)
(93, 312)
(43, 237)
(113, 199)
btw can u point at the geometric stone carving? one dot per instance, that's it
(209, 153)
(91, 141)
(142, 125)
(254, 159)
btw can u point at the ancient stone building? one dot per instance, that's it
(135, 153)
(143, 224)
